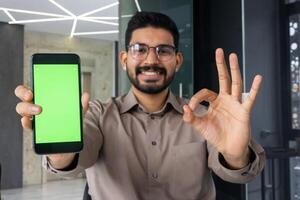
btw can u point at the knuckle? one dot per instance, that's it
(23, 109)
(18, 90)
(18, 108)
(236, 82)
(223, 76)
(194, 98)
(205, 90)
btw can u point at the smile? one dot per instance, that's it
(150, 73)
(151, 70)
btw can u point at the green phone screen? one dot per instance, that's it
(57, 91)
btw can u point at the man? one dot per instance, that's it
(149, 144)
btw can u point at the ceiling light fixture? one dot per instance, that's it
(96, 32)
(9, 15)
(99, 9)
(73, 27)
(138, 5)
(69, 13)
(105, 18)
(62, 8)
(98, 21)
(69, 16)
(126, 16)
(33, 12)
(40, 20)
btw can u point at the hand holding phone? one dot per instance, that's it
(27, 110)
(56, 88)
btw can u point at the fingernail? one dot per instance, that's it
(185, 108)
(35, 109)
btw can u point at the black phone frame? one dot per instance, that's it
(61, 147)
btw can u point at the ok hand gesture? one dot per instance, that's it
(226, 125)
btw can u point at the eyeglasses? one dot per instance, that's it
(163, 52)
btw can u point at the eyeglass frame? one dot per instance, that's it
(155, 47)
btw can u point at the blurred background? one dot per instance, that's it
(264, 34)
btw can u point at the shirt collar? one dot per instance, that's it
(130, 101)
(176, 102)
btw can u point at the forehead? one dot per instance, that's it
(152, 36)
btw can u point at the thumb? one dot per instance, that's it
(85, 98)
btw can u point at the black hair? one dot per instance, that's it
(151, 19)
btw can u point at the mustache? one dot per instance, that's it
(158, 69)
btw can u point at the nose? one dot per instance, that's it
(151, 58)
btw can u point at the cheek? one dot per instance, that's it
(131, 64)
(171, 67)
(131, 70)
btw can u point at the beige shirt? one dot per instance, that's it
(130, 154)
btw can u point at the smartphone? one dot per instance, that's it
(57, 89)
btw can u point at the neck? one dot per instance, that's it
(151, 102)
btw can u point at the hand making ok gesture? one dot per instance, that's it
(226, 125)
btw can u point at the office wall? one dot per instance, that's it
(96, 59)
(11, 74)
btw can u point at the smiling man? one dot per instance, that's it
(149, 144)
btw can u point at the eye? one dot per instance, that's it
(138, 49)
(165, 50)
(142, 50)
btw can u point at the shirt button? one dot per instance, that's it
(152, 117)
(155, 175)
(153, 143)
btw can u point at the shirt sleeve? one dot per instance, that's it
(92, 143)
(243, 175)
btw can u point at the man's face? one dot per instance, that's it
(148, 72)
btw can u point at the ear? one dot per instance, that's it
(179, 60)
(123, 59)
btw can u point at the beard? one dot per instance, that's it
(150, 88)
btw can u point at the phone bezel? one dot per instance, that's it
(61, 147)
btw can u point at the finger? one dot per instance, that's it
(202, 95)
(85, 98)
(236, 84)
(249, 102)
(224, 79)
(190, 118)
(28, 109)
(26, 123)
(188, 115)
(23, 93)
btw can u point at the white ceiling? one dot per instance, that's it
(76, 7)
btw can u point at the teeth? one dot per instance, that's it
(150, 73)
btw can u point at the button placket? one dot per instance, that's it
(154, 175)
(153, 150)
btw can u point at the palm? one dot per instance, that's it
(226, 124)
